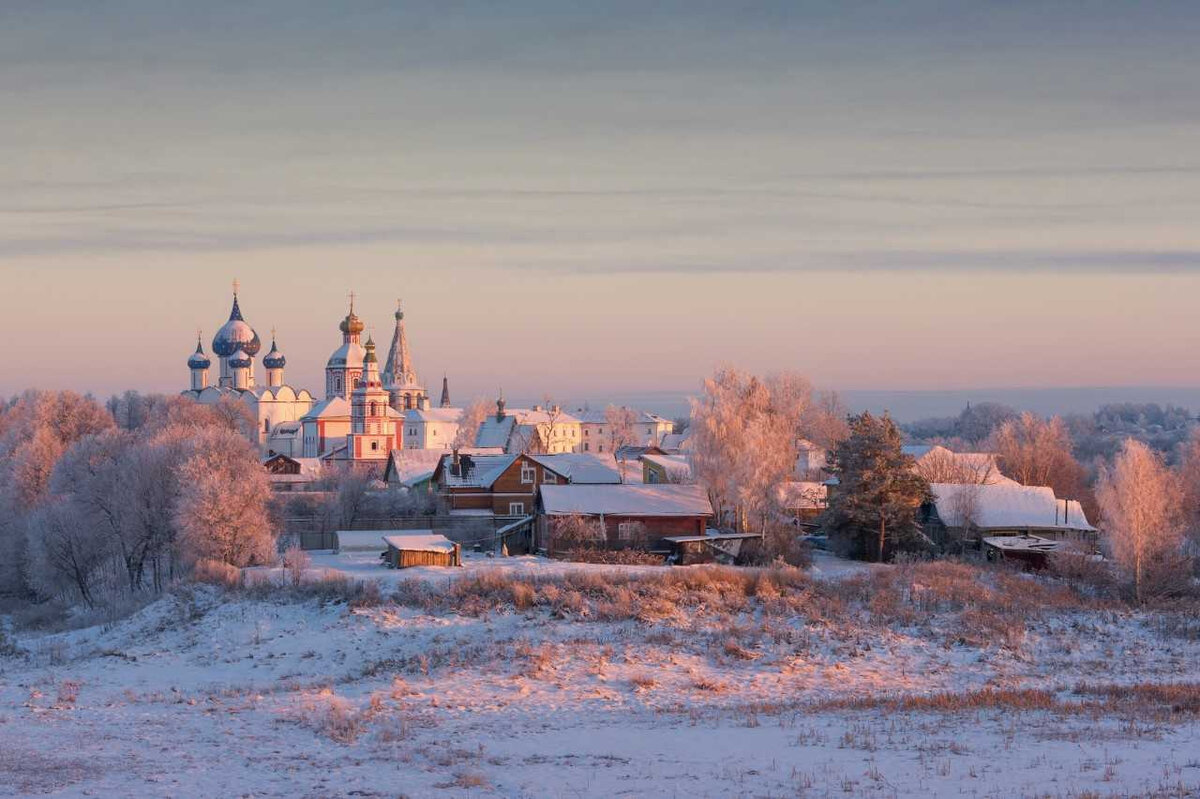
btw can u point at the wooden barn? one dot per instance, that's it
(632, 515)
(421, 548)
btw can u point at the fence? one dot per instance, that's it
(316, 533)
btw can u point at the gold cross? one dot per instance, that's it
(351, 302)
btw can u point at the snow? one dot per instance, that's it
(202, 694)
(1007, 506)
(626, 500)
(419, 541)
(581, 467)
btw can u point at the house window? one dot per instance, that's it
(625, 530)
(374, 445)
(586, 446)
(516, 509)
(527, 474)
(549, 477)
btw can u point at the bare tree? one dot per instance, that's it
(576, 532)
(66, 553)
(1141, 504)
(621, 423)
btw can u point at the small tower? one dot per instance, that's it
(445, 392)
(372, 431)
(240, 365)
(344, 369)
(274, 363)
(500, 407)
(198, 363)
(399, 377)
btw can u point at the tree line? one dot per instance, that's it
(101, 501)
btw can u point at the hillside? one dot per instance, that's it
(931, 680)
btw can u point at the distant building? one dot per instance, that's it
(961, 514)
(596, 434)
(431, 428)
(276, 407)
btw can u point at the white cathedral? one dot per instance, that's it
(362, 417)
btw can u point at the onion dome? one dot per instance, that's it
(236, 335)
(370, 356)
(240, 361)
(274, 359)
(199, 360)
(351, 325)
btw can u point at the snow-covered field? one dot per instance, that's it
(525, 678)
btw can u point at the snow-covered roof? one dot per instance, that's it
(330, 408)
(801, 495)
(1023, 543)
(484, 470)
(349, 354)
(672, 442)
(417, 541)
(626, 500)
(495, 432)
(582, 467)
(433, 415)
(677, 467)
(600, 416)
(359, 540)
(1007, 506)
(974, 467)
(407, 465)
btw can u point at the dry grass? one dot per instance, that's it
(333, 716)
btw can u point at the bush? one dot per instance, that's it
(782, 546)
(215, 572)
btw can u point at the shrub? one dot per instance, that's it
(215, 572)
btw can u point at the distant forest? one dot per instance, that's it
(1094, 436)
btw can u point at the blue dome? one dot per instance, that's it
(240, 361)
(274, 359)
(199, 360)
(236, 335)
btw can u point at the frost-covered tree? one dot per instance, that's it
(873, 509)
(66, 553)
(745, 437)
(222, 513)
(1141, 503)
(469, 423)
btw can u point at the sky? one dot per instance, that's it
(593, 200)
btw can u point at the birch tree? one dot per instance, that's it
(1141, 504)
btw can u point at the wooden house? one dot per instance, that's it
(631, 515)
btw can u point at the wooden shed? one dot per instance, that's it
(421, 548)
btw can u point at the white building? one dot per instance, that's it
(276, 406)
(550, 430)
(596, 433)
(431, 428)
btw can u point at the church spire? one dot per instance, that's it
(398, 370)
(445, 392)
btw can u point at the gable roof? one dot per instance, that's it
(332, 407)
(637, 499)
(676, 467)
(1007, 506)
(417, 541)
(581, 467)
(483, 472)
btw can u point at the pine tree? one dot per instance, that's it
(873, 508)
